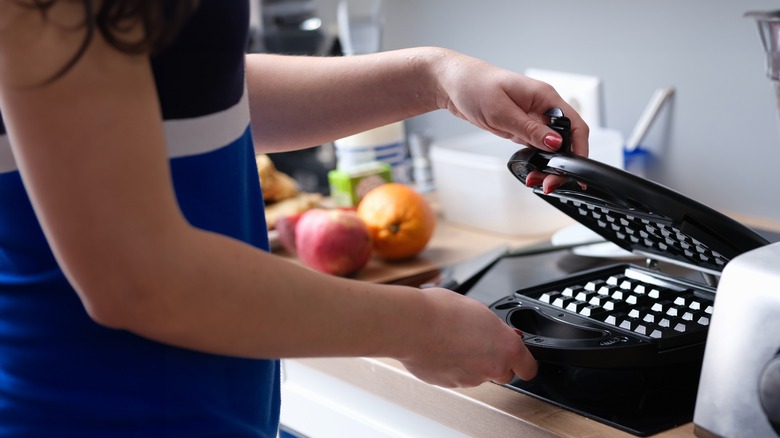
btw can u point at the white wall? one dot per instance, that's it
(718, 142)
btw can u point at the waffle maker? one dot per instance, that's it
(624, 315)
(618, 342)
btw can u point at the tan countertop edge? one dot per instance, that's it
(488, 410)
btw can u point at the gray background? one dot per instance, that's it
(717, 142)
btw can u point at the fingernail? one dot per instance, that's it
(533, 180)
(552, 141)
(519, 332)
(549, 189)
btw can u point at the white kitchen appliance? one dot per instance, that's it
(739, 388)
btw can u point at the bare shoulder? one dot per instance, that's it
(55, 8)
(34, 41)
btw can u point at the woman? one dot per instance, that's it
(137, 295)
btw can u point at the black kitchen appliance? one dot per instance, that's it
(622, 343)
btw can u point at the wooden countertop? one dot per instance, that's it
(487, 410)
(450, 244)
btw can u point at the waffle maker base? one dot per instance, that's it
(638, 401)
(641, 402)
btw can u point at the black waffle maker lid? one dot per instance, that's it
(638, 215)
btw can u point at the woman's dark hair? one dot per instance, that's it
(161, 20)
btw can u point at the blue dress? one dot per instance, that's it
(61, 374)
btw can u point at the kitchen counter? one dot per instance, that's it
(485, 411)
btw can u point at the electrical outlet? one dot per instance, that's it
(582, 92)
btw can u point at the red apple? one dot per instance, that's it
(333, 241)
(285, 226)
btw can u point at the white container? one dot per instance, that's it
(476, 189)
(385, 143)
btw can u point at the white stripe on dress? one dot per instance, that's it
(203, 134)
(184, 137)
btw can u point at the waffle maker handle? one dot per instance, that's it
(561, 338)
(562, 125)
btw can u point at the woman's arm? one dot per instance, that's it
(91, 152)
(304, 101)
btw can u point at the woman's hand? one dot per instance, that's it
(465, 344)
(507, 104)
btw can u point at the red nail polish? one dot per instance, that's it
(552, 141)
(533, 180)
(519, 332)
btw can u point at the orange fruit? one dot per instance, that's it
(400, 220)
